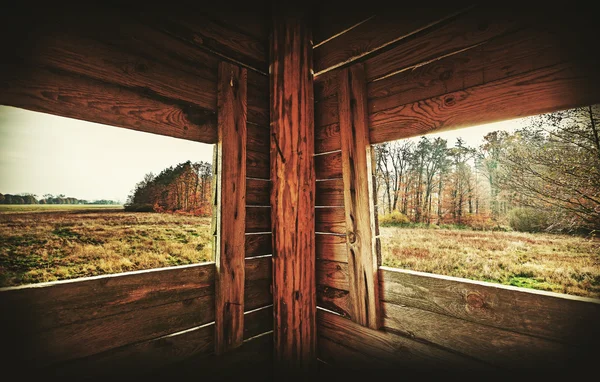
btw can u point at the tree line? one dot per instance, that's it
(543, 176)
(186, 187)
(27, 198)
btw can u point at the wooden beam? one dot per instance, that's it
(358, 196)
(293, 193)
(231, 207)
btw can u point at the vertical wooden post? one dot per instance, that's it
(231, 207)
(358, 196)
(292, 195)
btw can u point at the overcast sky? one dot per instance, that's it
(46, 154)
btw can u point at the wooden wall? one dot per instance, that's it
(445, 69)
(153, 71)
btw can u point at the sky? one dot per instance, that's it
(46, 154)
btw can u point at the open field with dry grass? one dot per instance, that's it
(47, 243)
(556, 263)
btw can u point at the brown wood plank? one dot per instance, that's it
(498, 347)
(336, 300)
(329, 22)
(258, 244)
(327, 138)
(258, 219)
(326, 112)
(330, 193)
(557, 87)
(397, 351)
(358, 197)
(515, 53)
(257, 164)
(333, 274)
(385, 28)
(328, 166)
(258, 139)
(257, 192)
(562, 318)
(326, 86)
(78, 97)
(231, 208)
(330, 220)
(293, 190)
(475, 27)
(331, 247)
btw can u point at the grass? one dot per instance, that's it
(556, 263)
(47, 243)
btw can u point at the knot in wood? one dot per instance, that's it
(351, 237)
(475, 300)
(449, 101)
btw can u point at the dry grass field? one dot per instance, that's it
(556, 263)
(47, 243)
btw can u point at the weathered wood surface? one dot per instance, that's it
(60, 321)
(387, 349)
(333, 274)
(567, 319)
(329, 22)
(258, 244)
(331, 247)
(257, 164)
(379, 31)
(231, 207)
(548, 89)
(327, 138)
(358, 196)
(329, 193)
(257, 192)
(330, 220)
(335, 300)
(328, 166)
(326, 112)
(258, 219)
(292, 194)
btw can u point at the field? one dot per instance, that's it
(557, 263)
(56, 242)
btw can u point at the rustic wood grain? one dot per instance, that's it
(335, 300)
(258, 139)
(257, 164)
(396, 351)
(258, 219)
(384, 28)
(330, 193)
(567, 319)
(76, 97)
(257, 192)
(331, 247)
(548, 89)
(333, 274)
(330, 220)
(326, 112)
(231, 208)
(326, 86)
(358, 196)
(328, 166)
(258, 244)
(327, 138)
(292, 194)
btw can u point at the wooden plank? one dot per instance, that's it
(358, 197)
(333, 274)
(396, 351)
(326, 86)
(292, 194)
(328, 166)
(257, 192)
(331, 247)
(475, 27)
(383, 29)
(330, 193)
(258, 219)
(258, 139)
(515, 53)
(329, 22)
(258, 244)
(257, 164)
(335, 300)
(257, 287)
(562, 318)
(497, 347)
(327, 138)
(231, 208)
(330, 220)
(326, 112)
(557, 87)
(76, 97)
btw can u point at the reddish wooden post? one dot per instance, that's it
(358, 196)
(292, 195)
(231, 208)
